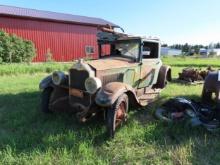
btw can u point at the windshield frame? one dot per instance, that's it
(138, 41)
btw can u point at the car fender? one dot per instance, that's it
(163, 76)
(46, 82)
(108, 94)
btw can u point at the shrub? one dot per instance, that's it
(15, 49)
(49, 56)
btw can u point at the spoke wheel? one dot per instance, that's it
(117, 115)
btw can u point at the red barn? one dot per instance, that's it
(66, 36)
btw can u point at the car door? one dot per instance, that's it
(150, 63)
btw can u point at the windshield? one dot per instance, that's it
(127, 49)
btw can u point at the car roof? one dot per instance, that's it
(143, 39)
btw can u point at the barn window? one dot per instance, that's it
(90, 50)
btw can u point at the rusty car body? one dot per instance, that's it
(212, 85)
(131, 75)
(193, 74)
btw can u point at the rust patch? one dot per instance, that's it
(192, 74)
(111, 78)
(112, 63)
(76, 92)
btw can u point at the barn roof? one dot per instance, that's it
(52, 16)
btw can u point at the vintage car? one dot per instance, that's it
(130, 74)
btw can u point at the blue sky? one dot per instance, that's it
(173, 21)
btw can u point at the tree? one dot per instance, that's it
(217, 45)
(164, 45)
(186, 48)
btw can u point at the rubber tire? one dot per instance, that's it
(159, 115)
(164, 77)
(45, 99)
(111, 115)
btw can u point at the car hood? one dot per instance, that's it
(111, 63)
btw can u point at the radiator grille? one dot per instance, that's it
(78, 78)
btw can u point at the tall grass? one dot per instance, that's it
(15, 69)
(191, 61)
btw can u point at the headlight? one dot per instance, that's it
(92, 84)
(58, 77)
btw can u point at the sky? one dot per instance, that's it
(173, 21)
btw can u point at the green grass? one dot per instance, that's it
(29, 137)
(178, 62)
(192, 61)
(16, 69)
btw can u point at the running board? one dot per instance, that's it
(149, 97)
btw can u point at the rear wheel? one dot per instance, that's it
(45, 99)
(117, 115)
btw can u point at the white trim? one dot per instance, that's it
(219, 75)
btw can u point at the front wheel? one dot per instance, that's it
(117, 115)
(45, 99)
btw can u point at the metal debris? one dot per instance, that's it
(194, 75)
